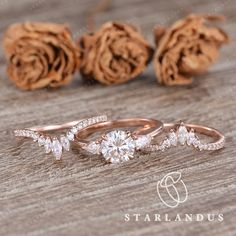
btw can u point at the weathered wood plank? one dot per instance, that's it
(84, 196)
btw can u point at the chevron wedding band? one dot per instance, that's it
(53, 144)
(188, 134)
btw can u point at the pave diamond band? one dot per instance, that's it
(188, 134)
(53, 144)
(119, 145)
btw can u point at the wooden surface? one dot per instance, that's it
(83, 195)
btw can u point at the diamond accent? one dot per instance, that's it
(56, 149)
(85, 123)
(166, 143)
(65, 143)
(196, 143)
(70, 136)
(118, 146)
(173, 138)
(35, 137)
(41, 141)
(48, 145)
(73, 130)
(182, 134)
(93, 148)
(142, 141)
(191, 137)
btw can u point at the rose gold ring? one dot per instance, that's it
(119, 145)
(52, 143)
(186, 134)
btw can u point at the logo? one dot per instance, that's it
(171, 189)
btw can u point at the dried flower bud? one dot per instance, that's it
(114, 54)
(187, 48)
(40, 55)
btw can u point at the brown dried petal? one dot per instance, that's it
(40, 55)
(114, 54)
(188, 47)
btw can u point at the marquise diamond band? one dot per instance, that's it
(188, 134)
(52, 143)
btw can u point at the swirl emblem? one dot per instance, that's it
(171, 190)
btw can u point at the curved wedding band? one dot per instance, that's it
(52, 143)
(186, 134)
(119, 145)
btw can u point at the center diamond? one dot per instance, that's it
(117, 146)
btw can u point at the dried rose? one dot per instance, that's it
(40, 55)
(187, 48)
(114, 54)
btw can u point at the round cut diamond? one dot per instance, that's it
(117, 146)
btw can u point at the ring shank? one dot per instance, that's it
(199, 129)
(150, 127)
(54, 127)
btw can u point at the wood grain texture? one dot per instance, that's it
(83, 195)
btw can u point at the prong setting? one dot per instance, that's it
(118, 146)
